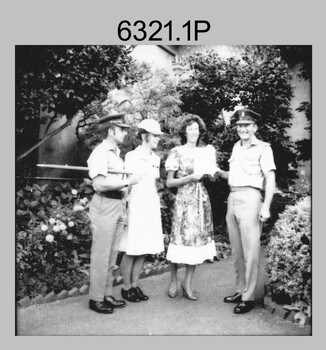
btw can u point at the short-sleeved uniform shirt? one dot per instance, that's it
(248, 166)
(103, 158)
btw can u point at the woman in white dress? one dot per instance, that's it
(143, 234)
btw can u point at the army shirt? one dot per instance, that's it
(103, 158)
(248, 166)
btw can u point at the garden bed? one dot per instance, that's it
(149, 270)
(283, 312)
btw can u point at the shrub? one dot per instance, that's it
(257, 78)
(288, 262)
(280, 201)
(53, 237)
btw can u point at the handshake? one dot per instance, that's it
(218, 173)
(212, 175)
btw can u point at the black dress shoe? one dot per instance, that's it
(130, 295)
(244, 306)
(114, 303)
(139, 293)
(236, 298)
(100, 307)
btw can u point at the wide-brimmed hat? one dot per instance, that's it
(245, 116)
(151, 126)
(117, 119)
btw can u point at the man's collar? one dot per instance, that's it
(110, 147)
(254, 141)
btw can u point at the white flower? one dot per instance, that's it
(69, 237)
(49, 238)
(62, 227)
(56, 228)
(84, 200)
(71, 224)
(52, 221)
(74, 192)
(78, 207)
(44, 228)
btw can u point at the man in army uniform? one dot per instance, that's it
(107, 211)
(251, 167)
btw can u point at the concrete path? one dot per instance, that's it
(161, 315)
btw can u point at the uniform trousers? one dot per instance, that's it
(245, 229)
(108, 218)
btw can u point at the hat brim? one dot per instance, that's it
(121, 125)
(245, 122)
(156, 133)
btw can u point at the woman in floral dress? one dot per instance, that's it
(191, 240)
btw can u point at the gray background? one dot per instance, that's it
(95, 22)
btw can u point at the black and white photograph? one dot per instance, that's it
(163, 189)
(162, 181)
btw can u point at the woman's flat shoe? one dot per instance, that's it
(130, 295)
(139, 293)
(186, 295)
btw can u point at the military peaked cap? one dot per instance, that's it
(115, 119)
(245, 116)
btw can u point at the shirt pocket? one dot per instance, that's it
(251, 165)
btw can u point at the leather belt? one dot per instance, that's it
(242, 188)
(112, 194)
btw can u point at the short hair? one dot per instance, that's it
(188, 120)
(141, 132)
(103, 130)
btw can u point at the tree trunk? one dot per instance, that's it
(46, 137)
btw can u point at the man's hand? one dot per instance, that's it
(218, 173)
(197, 176)
(264, 214)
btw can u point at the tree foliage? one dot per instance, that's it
(305, 145)
(302, 55)
(151, 94)
(259, 80)
(298, 54)
(57, 81)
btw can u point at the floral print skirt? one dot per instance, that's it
(191, 240)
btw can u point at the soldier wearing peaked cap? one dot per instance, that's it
(107, 211)
(250, 166)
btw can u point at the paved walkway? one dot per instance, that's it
(161, 315)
